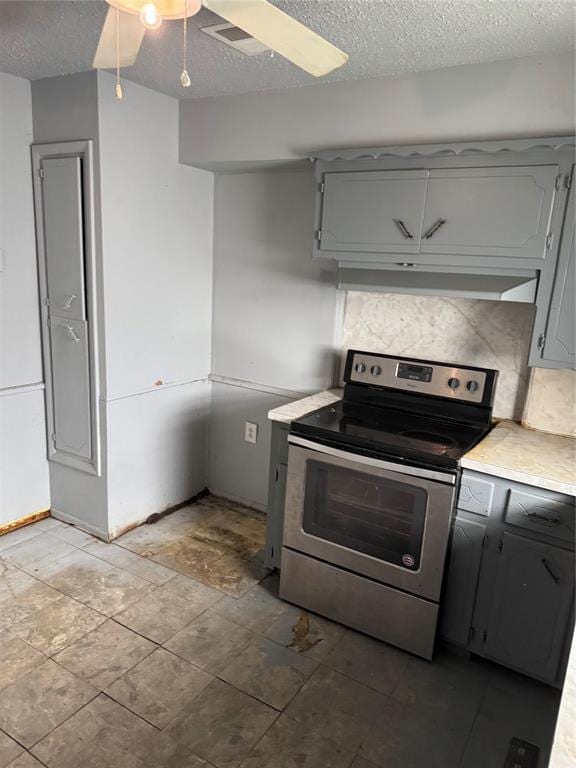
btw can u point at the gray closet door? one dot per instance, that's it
(375, 211)
(560, 343)
(531, 606)
(71, 386)
(489, 212)
(63, 235)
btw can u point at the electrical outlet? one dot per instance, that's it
(251, 432)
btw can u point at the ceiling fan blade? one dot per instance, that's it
(131, 36)
(282, 33)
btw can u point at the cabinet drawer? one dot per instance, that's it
(544, 514)
(476, 495)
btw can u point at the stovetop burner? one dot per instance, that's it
(420, 412)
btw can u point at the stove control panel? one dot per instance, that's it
(437, 379)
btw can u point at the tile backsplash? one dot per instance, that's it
(490, 334)
(551, 401)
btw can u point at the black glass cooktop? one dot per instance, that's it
(391, 433)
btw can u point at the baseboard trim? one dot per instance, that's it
(22, 521)
(82, 524)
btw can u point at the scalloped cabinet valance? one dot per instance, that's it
(488, 220)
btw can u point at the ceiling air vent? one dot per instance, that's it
(236, 38)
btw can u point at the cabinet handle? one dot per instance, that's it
(543, 518)
(68, 303)
(434, 228)
(546, 564)
(402, 227)
(73, 336)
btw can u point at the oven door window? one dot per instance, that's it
(366, 513)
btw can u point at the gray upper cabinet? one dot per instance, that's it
(487, 216)
(531, 606)
(489, 212)
(374, 212)
(559, 343)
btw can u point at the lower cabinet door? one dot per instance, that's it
(464, 562)
(532, 603)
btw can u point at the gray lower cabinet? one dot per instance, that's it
(463, 572)
(531, 606)
(276, 494)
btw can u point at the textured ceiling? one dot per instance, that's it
(383, 37)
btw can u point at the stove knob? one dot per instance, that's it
(472, 386)
(375, 370)
(360, 367)
(453, 383)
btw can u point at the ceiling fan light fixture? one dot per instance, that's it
(150, 17)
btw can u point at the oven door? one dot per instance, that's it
(387, 521)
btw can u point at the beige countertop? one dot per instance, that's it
(509, 451)
(536, 458)
(298, 408)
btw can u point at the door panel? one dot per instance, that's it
(63, 233)
(489, 211)
(71, 387)
(463, 573)
(376, 211)
(531, 606)
(560, 344)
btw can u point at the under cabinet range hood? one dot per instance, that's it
(423, 280)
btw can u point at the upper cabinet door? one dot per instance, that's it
(64, 235)
(373, 212)
(560, 341)
(500, 212)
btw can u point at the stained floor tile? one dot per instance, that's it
(222, 724)
(15, 537)
(128, 561)
(162, 613)
(287, 744)
(159, 687)
(72, 573)
(269, 672)
(112, 591)
(257, 609)
(72, 535)
(17, 658)
(38, 702)
(52, 628)
(21, 596)
(304, 632)
(9, 749)
(103, 655)
(368, 661)
(105, 735)
(337, 707)
(210, 642)
(40, 548)
(25, 760)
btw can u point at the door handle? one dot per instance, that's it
(68, 303)
(434, 228)
(72, 334)
(546, 564)
(402, 227)
(543, 518)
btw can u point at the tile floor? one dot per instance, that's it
(170, 649)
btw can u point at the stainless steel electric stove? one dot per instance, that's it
(370, 494)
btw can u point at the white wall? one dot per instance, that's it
(24, 487)
(523, 97)
(157, 287)
(274, 311)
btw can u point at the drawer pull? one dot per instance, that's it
(402, 227)
(543, 518)
(434, 228)
(546, 564)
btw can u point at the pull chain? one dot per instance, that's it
(184, 76)
(119, 94)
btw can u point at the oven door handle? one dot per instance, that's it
(357, 458)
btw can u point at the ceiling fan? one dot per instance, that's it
(128, 20)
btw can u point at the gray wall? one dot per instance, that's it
(154, 264)
(24, 487)
(273, 328)
(524, 97)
